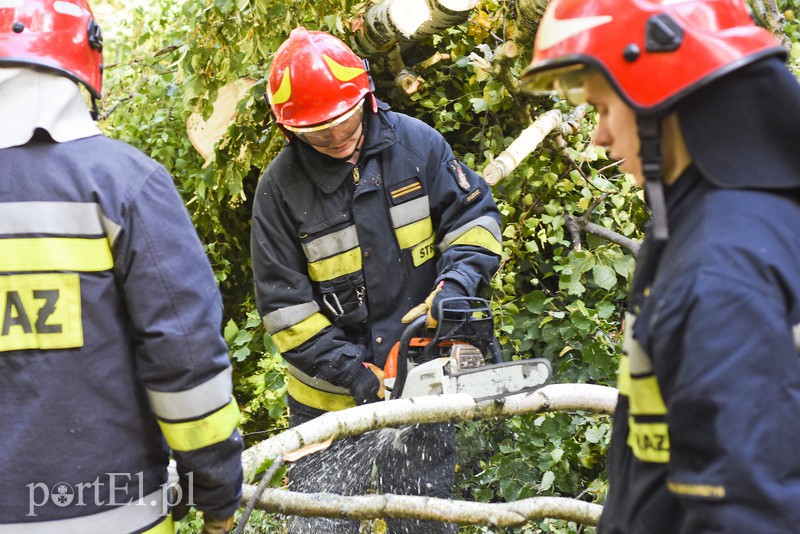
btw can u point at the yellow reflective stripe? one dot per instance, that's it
(321, 400)
(412, 234)
(645, 396)
(648, 441)
(40, 311)
(282, 93)
(193, 435)
(624, 377)
(423, 252)
(343, 73)
(480, 237)
(335, 266)
(167, 526)
(55, 254)
(697, 490)
(296, 335)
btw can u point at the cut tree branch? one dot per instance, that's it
(432, 409)
(530, 138)
(513, 514)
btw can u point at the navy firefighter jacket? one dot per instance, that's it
(111, 357)
(708, 421)
(341, 252)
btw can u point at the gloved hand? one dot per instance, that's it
(444, 290)
(180, 508)
(213, 525)
(367, 386)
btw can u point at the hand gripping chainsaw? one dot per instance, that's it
(454, 359)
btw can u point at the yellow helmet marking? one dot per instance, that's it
(283, 92)
(553, 30)
(342, 72)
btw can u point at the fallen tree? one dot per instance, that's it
(433, 409)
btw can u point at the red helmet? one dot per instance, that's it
(652, 51)
(60, 35)
(315, 78)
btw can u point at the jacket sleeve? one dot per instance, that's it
(285, 299)
(734, 414)
(465, 218)
(175, 313)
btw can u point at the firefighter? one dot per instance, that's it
(111, 358)
(362, 216)
(697, 100)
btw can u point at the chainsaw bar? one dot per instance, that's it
(443, 376)
(502, 379)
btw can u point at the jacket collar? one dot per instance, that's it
(328, 173)
(32, 99)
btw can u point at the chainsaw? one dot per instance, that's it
(454, 359)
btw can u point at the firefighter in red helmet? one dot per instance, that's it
(111, 358)
(361, 217)
(696, 99)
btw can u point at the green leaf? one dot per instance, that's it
(604, 276)
(230, 331)
(547, 481)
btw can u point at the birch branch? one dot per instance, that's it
(513, 514)
(432, 409)
(528, 141)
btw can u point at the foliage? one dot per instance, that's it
(555, 296)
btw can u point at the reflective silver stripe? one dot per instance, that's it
(131, 517)
(289, 316)
(57, 218)
(208, 397)
(486, 222)
(639, 362)
(331, 244)
(409, 212)
(316, 383)
(62, 218)
(796, 334)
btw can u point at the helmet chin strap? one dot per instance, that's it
(650, 154)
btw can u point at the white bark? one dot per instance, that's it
(432, 409)
(391, 21)
(530, 138)
(511, 514)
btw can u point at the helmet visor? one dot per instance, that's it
(333, 132)
(566, 82)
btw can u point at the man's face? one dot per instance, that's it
(616, 125)
(339, 140)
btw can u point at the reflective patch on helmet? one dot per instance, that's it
(343, 73)
(553, 30)
(67, 8)
(282, 94)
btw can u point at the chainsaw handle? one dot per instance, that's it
(402, 354)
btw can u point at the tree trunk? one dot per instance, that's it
(512, 514)
(432, 409)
